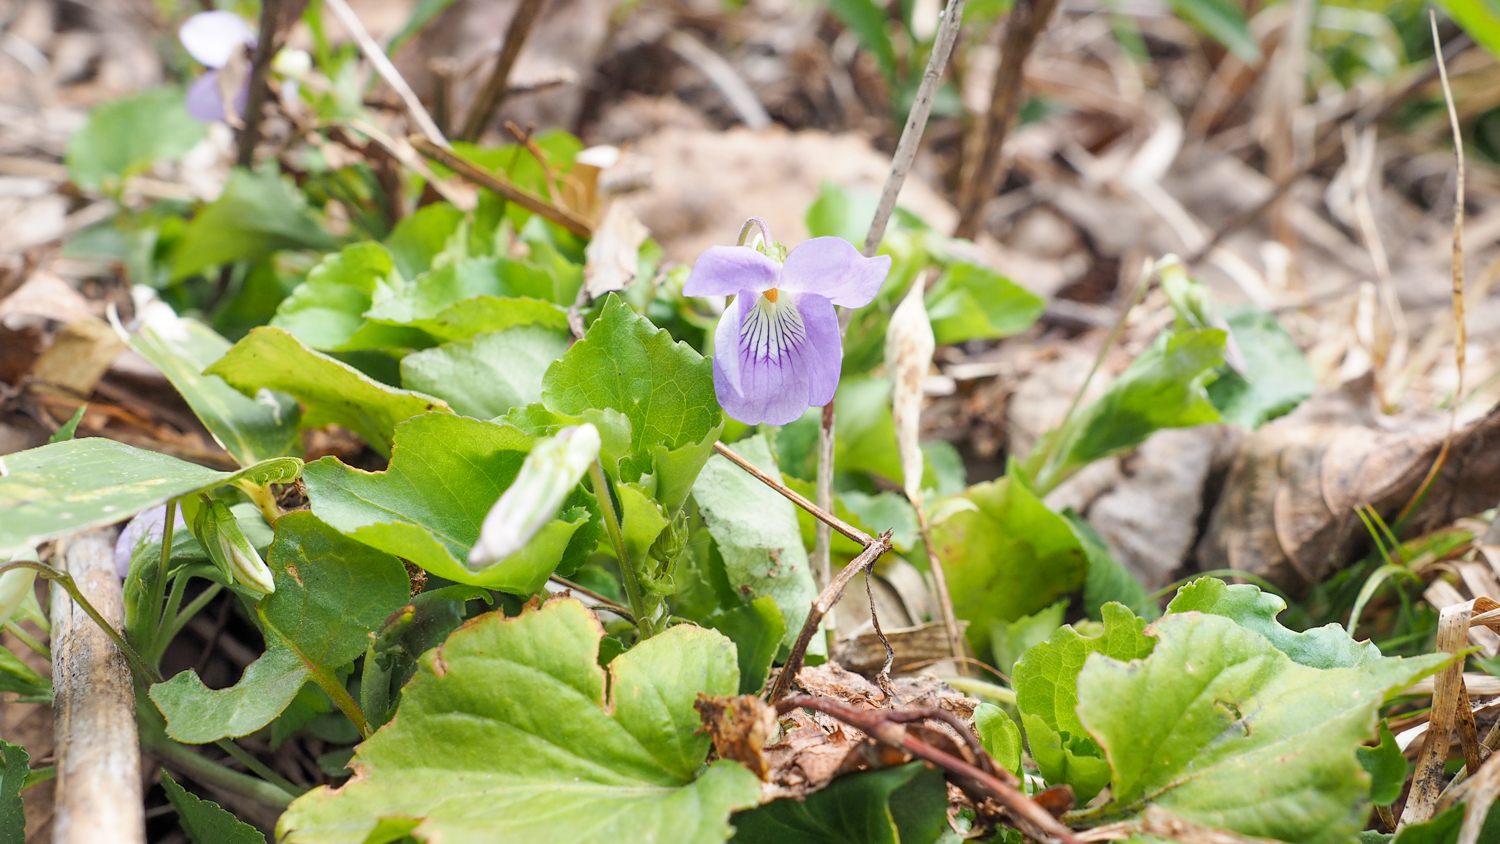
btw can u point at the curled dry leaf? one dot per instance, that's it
(1287, 512)
(739, 728)
(909, 345)
(611, 257)
(1451, 711)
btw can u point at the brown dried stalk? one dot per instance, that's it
(984, 167)
(821, 607)
(491, 181)
(795, 497)
(885, 726)
(497, 85)
(260, 68)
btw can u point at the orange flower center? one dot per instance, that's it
(770, 294)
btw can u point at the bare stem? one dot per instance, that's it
(901, 162)
(260, 68)
(940, 586)
(633, 593)
(496, 87)
(387, 71)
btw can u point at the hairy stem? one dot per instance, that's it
(633, 593)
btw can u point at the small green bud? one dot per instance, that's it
(232, 549)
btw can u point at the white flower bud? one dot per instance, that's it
(551, 471)
(249, 570)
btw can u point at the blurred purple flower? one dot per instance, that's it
(213, 39)
(145, 528)
(777, 350)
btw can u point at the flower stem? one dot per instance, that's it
(212, 773)
(628, 575)
(26, 639)
(65, 580)
(751, 228)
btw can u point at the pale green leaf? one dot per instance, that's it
(1275, 378)
(1005, 554)
(1108, 579)
(427, 507)
(1387, 767)
(506, 733)
(68, 429)
(756, 531)
(664, 388)
(330, 390)
(60, 488)
(1010, 640)
(999, 735)
(1479, 18)
(1224, 21)
(257, 214)
(970, 302)
(125, 136)
(14, 766)
(1219, 727)
(251, 429)
(756, 628)
(331, 594)
(326, 311)
(487, 376)
(1163, 388)
(430, 237)
(1323, 647)
(204, 821)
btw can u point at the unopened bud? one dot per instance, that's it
(235, 550)
(551, 471)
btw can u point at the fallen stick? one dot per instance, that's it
(98, 795)
(886, 726)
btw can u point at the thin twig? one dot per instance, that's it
(1461, 333)
(916, 122)
(821, 607)
(387, 71)
(901, 162)
(494, 91)
(260, 68)
(824, 516)
(884, 725)
(598, 597)
(984, 165)
(490, 181)
(882, 677)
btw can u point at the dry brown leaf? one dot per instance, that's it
(916, 647)
(612, 256)
(1287, 511)
(739, 728)
(79, 356)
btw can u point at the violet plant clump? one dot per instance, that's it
(778, 348)
(216, 40)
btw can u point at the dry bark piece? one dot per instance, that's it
(1287, 512)
(98, 791)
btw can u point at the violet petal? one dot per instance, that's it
(726, 270)
(147, 527)
(779, 359)
(211, 38)
(204, 102)
(832, 268)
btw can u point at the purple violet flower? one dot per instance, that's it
(777, 350)
(214, 39)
